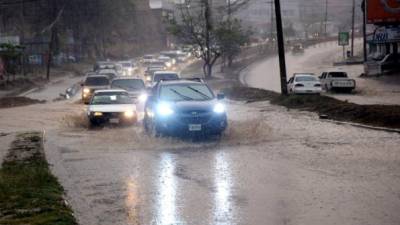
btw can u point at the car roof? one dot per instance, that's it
(97, 76)
(127, 78)
(165, 72)
(303, 74)
(111, 91)
(168, 82)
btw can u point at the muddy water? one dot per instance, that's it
(272, 166)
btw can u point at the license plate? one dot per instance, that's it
(194, 127)
(114, 120)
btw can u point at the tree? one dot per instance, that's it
(207, 34)
(230, 37)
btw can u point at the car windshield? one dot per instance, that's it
(128, 84)
(338, 74)
(186, 92)
(165, 76)
(305, 78)
(97, 81)
(111, 98)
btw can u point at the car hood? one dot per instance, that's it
(111, 108)
(202, 106)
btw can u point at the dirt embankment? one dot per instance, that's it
(331, 108)
(9, 102)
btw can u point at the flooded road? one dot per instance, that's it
(272, 166)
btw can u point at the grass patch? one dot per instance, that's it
(375, 115)
(29, 193)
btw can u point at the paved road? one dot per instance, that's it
(273, 166)
(319, 58)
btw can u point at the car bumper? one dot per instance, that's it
(114, 117)
(307, 91)
(216, 124)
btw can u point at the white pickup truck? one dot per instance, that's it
(337, 81)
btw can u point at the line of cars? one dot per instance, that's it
(308, 83)
(170, 105)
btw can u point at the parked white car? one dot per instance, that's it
(304, 83)
(111, 106)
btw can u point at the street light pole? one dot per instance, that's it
(281, 47)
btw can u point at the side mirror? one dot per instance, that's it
(220, 96)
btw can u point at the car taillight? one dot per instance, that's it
(299, 85)
(317, 85)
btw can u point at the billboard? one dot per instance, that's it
(383, 11)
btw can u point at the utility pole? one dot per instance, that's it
(281, 47)
(272, 21)
(352, 27)
(364, 7)
(326, 17)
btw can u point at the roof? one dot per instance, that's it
(165, 72)
(97, 75)
(127, 78)
(111, 91)
(304, 74)
(180, 82)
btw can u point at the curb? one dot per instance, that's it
(391, 130)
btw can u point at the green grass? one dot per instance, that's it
(374, 115)
(29, 193)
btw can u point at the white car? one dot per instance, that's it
(147, 59)
(111, 73)
(111, 106)
(337, 81)
(163, 75)
(128, 68)
(304, 83)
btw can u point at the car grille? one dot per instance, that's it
(195, 116)
(112, 114)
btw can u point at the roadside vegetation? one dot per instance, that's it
(29, 193)
(326, 107)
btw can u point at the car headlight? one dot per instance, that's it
(97, 113)
(142, 97)
(148, 78)
(164, 109)
(86, 90)
(219, 108)
(168, 64)
(129, 114)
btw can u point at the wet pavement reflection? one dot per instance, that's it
(166, 207)
(223, 210)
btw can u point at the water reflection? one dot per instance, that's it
(167, 187)
(223, 212)
(132, 202)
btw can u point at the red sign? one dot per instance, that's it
(383, 11)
